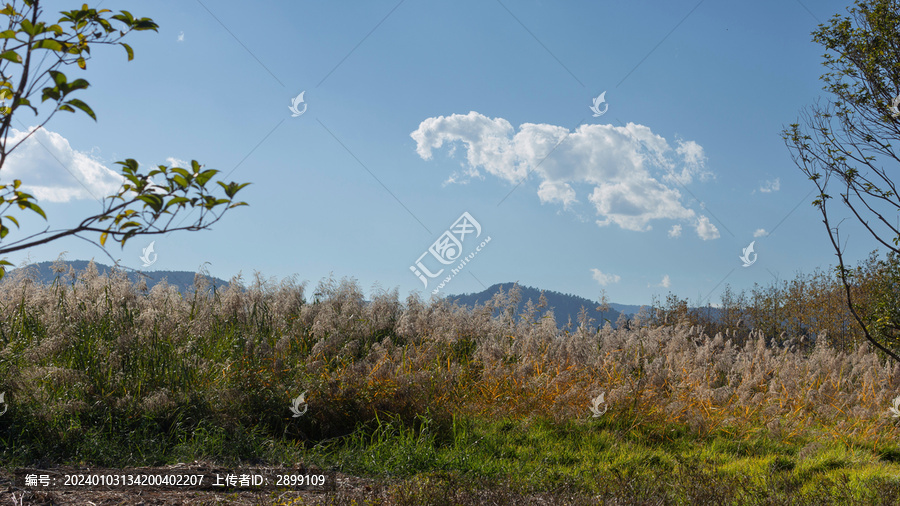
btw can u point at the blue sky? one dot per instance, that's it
(417, 112)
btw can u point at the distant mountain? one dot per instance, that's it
(182, 280)
(628, 309)
(564, 306)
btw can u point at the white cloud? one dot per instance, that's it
(178, 162)
(627, 166)
(631, 204)
(604, 279)
(771, 186)
(557, 192)
(760, 232)
(694, 163)
(666, 282)
(705, 229)
(675, 231)
(53, 171)
(181, 37)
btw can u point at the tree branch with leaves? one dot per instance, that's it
(32, 53)
(845, 145)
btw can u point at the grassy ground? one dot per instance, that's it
(434, 404)
(612, 460)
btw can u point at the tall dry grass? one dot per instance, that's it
(99, 351)
(805, 306)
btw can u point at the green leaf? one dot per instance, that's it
(78, 84)
(50, 44)
(183, 172)
(154, 201)
(205, 176)
(57, 76)
(176, 201)
(130, 165)
(128, 50)
(50, 94)
(103, 238)
(8, 34)
(232, 188)
(129, 224)
(145, 24)
(84, 107)
(11, 56)
(28, 28)
(182, 182)
(34, 207)
(124, 17)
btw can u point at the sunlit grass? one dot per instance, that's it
(100, 371)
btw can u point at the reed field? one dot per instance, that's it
(436, 404)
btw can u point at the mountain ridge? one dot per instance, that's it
(182, 280)
(566, 307)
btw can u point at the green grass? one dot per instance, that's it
(589, 459)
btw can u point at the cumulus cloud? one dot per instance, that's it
(705, 229)
(666, 282)
(675, 231)
(557, 192)
(760, 232)
(770, 186)
(53, 171)
(604, 279)
(181, 37)
(633, 171)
